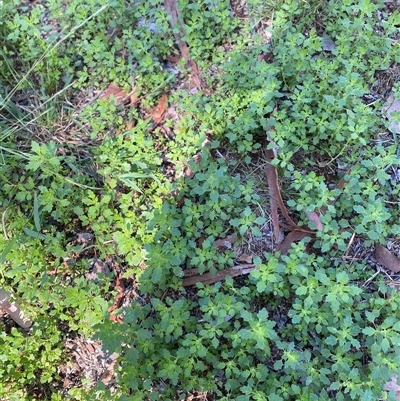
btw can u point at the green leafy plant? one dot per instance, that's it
(303, 325)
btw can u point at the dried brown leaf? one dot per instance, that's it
(120, 287)
(173, 58)
(225, 243)
(194, 72)
(157, 113)
(244, 257)
(385, 258)
(134, 100)
(392, 108)
(118, 93)
(313, 216)
(293, 236)
(267, 57)
(192, 276)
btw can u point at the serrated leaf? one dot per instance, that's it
(308, 302)
(367, 396)
(234, 222)
(302, 290)
(256, 231)
(382, 177)
(33, 164)
(246, 316)
(331, 340)
(368, 331)
(330, 99)
(395, 327)
(215, 342)
(214, 196)
(274, 397)
(247, 211)
(260, 220)
(243, 229)
(156, 274)
(35, 147)
(261, 286)
(335, 386)
(245, 334)
(262, 314)
(331, 298)
(371, 316)
(385, 345)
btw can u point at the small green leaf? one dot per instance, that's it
(262, 314)
(371, 316)
(260, 220)
(245, 334)
(246, 316)
(302, 290)
(368, 396)
(35, 147)
(247, 211)
(385, 345)
(369, 331)
(261, 286)
(156, 274)
(234, 222)
(332, 299)
(331, 340)
(214, 196)
(243, 229)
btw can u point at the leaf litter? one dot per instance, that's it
(385, 258)
(120, 96)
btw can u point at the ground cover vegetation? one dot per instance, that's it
(145, 149)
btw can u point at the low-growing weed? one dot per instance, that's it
(302, 325)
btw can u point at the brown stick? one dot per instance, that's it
(13, 310)
(275, 193)
(192, 276)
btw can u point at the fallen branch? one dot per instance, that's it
(385, 258)
(13, 310)
(177, 25)
(192, 276)
(276, 199)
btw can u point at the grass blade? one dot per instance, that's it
(7, 249)
(36, 215)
